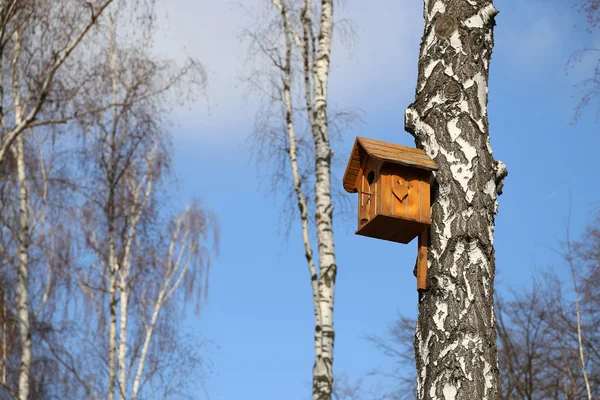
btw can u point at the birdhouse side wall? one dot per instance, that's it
(367, 190)
(404, 192)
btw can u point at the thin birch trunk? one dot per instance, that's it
(123, 273)
(22, 300)
(580, 343)
(112, 292)
(111, 206)
(146, 344)
(4, 338)
(569, 257)
(177, 265)
(122, 352)
(316, 75)
(23, 275)
(455, 341)
(124, 285)
(322, 372)
(113, 268)
(293, 156)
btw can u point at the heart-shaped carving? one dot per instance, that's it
(400, 190)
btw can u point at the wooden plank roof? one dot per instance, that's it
(383, 151)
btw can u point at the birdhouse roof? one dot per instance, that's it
(383, 151)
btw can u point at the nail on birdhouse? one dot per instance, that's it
(393, 186)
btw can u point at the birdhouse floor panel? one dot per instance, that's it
(394, 229)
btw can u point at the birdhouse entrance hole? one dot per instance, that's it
(371, 177)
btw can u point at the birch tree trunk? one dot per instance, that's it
(455, 341)
(22, 300)
(293, 158)
(322, 373)
(314, 64)
(23, 275)
(183, 249)
(122, 353)
(4, 341)
(112, 293)
(111, 217)
(141, 195)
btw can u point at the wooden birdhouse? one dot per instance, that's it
(393, 186)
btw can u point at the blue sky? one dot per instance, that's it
(259, 310)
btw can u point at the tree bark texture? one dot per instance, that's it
(112, 302)
(293, 157)
(323, 368)
(455, 341)
(111, 220)
(22, 295)
(24, 320)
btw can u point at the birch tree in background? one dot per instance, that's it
(109, 102)
(30, 225)
(38, 81)
(143, 258)
(35, 51)
(297, 50)
(455, 341)
(35, 254)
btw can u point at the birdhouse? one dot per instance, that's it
(393, 186)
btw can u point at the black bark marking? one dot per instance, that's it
(452, 91)
(445, 25)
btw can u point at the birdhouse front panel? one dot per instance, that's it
(405, 192)
(392, 183)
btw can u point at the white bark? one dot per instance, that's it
(123, 303)
(23, 276)
(581, 354)
(293, 156)
(22, 300)
(141, 194)
(455, 341)
(112, 293)
(183, 247)
(38, 222)
(111, 207)
(323, 373)
(316, 76)
(580, 344)
(4, 342)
